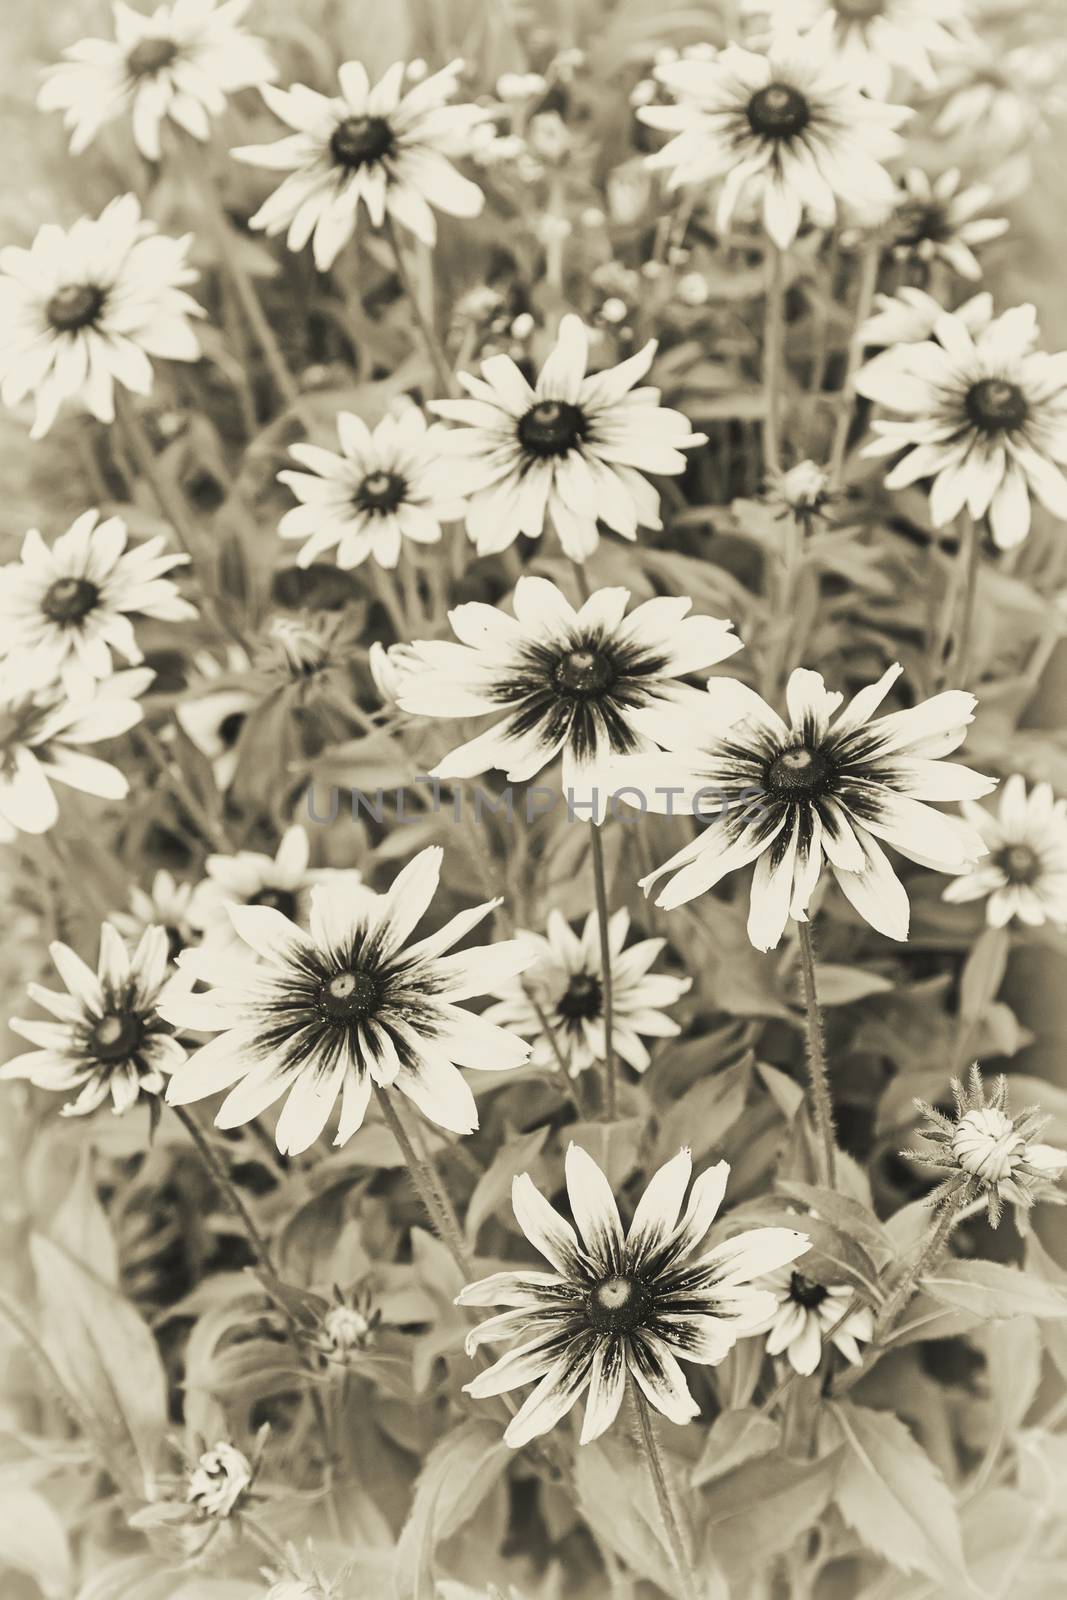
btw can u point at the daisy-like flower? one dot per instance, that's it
(804, 1315)
(590, 683)
(986, 421)
(109, 1041)
(911, 315)
(940, 221)
(999, 101)
(826, 785)
(987, 1154)
(621, 1304)
(868, 40)
(345, 1008)
(380, 145)
(572, 449)
(179, 63)
(84, 308)
(64, 610)
(387, 485)
(219, 1481)
(165, 905)
(214, 709)
(39, 746)
(1025, 873)
(785, 125)
(565, 981)
(249, 878)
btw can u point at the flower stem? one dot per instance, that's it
(966, 586)
(213, 833)
(434, 348)
(229, 259)
(610, 1108)
(664, 1499)
(872, 260)
(817, 1069)
(428, 1186)
(141, 448)
(773, 337)
(260, 1247)
(933, 1245)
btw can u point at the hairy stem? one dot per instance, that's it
(864, 301)
(773, 337)
(217, 1169)
(672, 1524)
(818, 1075)
(933, 1245)
(434, 348)
(428, 1186)
(611, 1094)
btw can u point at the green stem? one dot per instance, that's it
(864, 301)
(434, 348)
(818, 1075)
(611, 1097)
(957, 664)
(212, 832)
(227, 1187)
(428, 1187)
(672, 1525)
(773, 339)
(141, 448)
(934, 1244)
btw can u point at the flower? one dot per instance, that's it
(784, 123)
(911, 315)
(110, 1039)
(249, 878)
(166, 904)
(64, 610)
(620, 1304)
(986, 420)
(85, 307)
(592, 683)
(939, 221)
(987, 1154)
(214, 709)
(867, 40)
(347, 1329)
(219, 1481)
(804, 1315)
(564, 981)
(789, 794)
(387, 485)
(1001, 100)
(377, 145)
(347, 1007)
(1025, 872)
(179, 63)
(389, 667)
(38, 747)
(803, 493)
(572, 448)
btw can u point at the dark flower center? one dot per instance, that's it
(996, 406)
(806, 1292)
(799, 772)
(381, 491)
(585, 672)
(1019, 863)
(778, 112)
(76, 305)
(70, 599)
(583, 998)
(149, 56)
(350, 996)
(283, 900)
(357, 141)
(116, 1036)
(552, 427)
(917, 221)
(617, 1305)
(230, 729)
(859, 10)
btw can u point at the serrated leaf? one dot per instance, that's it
(892, 1495)
(757, 1511)
(104, 1351)
(990, 1290)
(734, 1438)
(459, 1472)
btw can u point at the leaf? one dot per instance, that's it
(81, 1226)
(759, 1510)
(991, 1291)
(847, 1215)
(891, 1494)
(34, 1540)
(734, 1438)
(459, 1473)
(612, 1145)
(787, 1094)
(1012, 1352)
(705, 1114)
(493, 1189)
(104, 1352)
(983, 973)
(841, 986)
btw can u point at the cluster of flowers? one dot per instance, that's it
(314, 988)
